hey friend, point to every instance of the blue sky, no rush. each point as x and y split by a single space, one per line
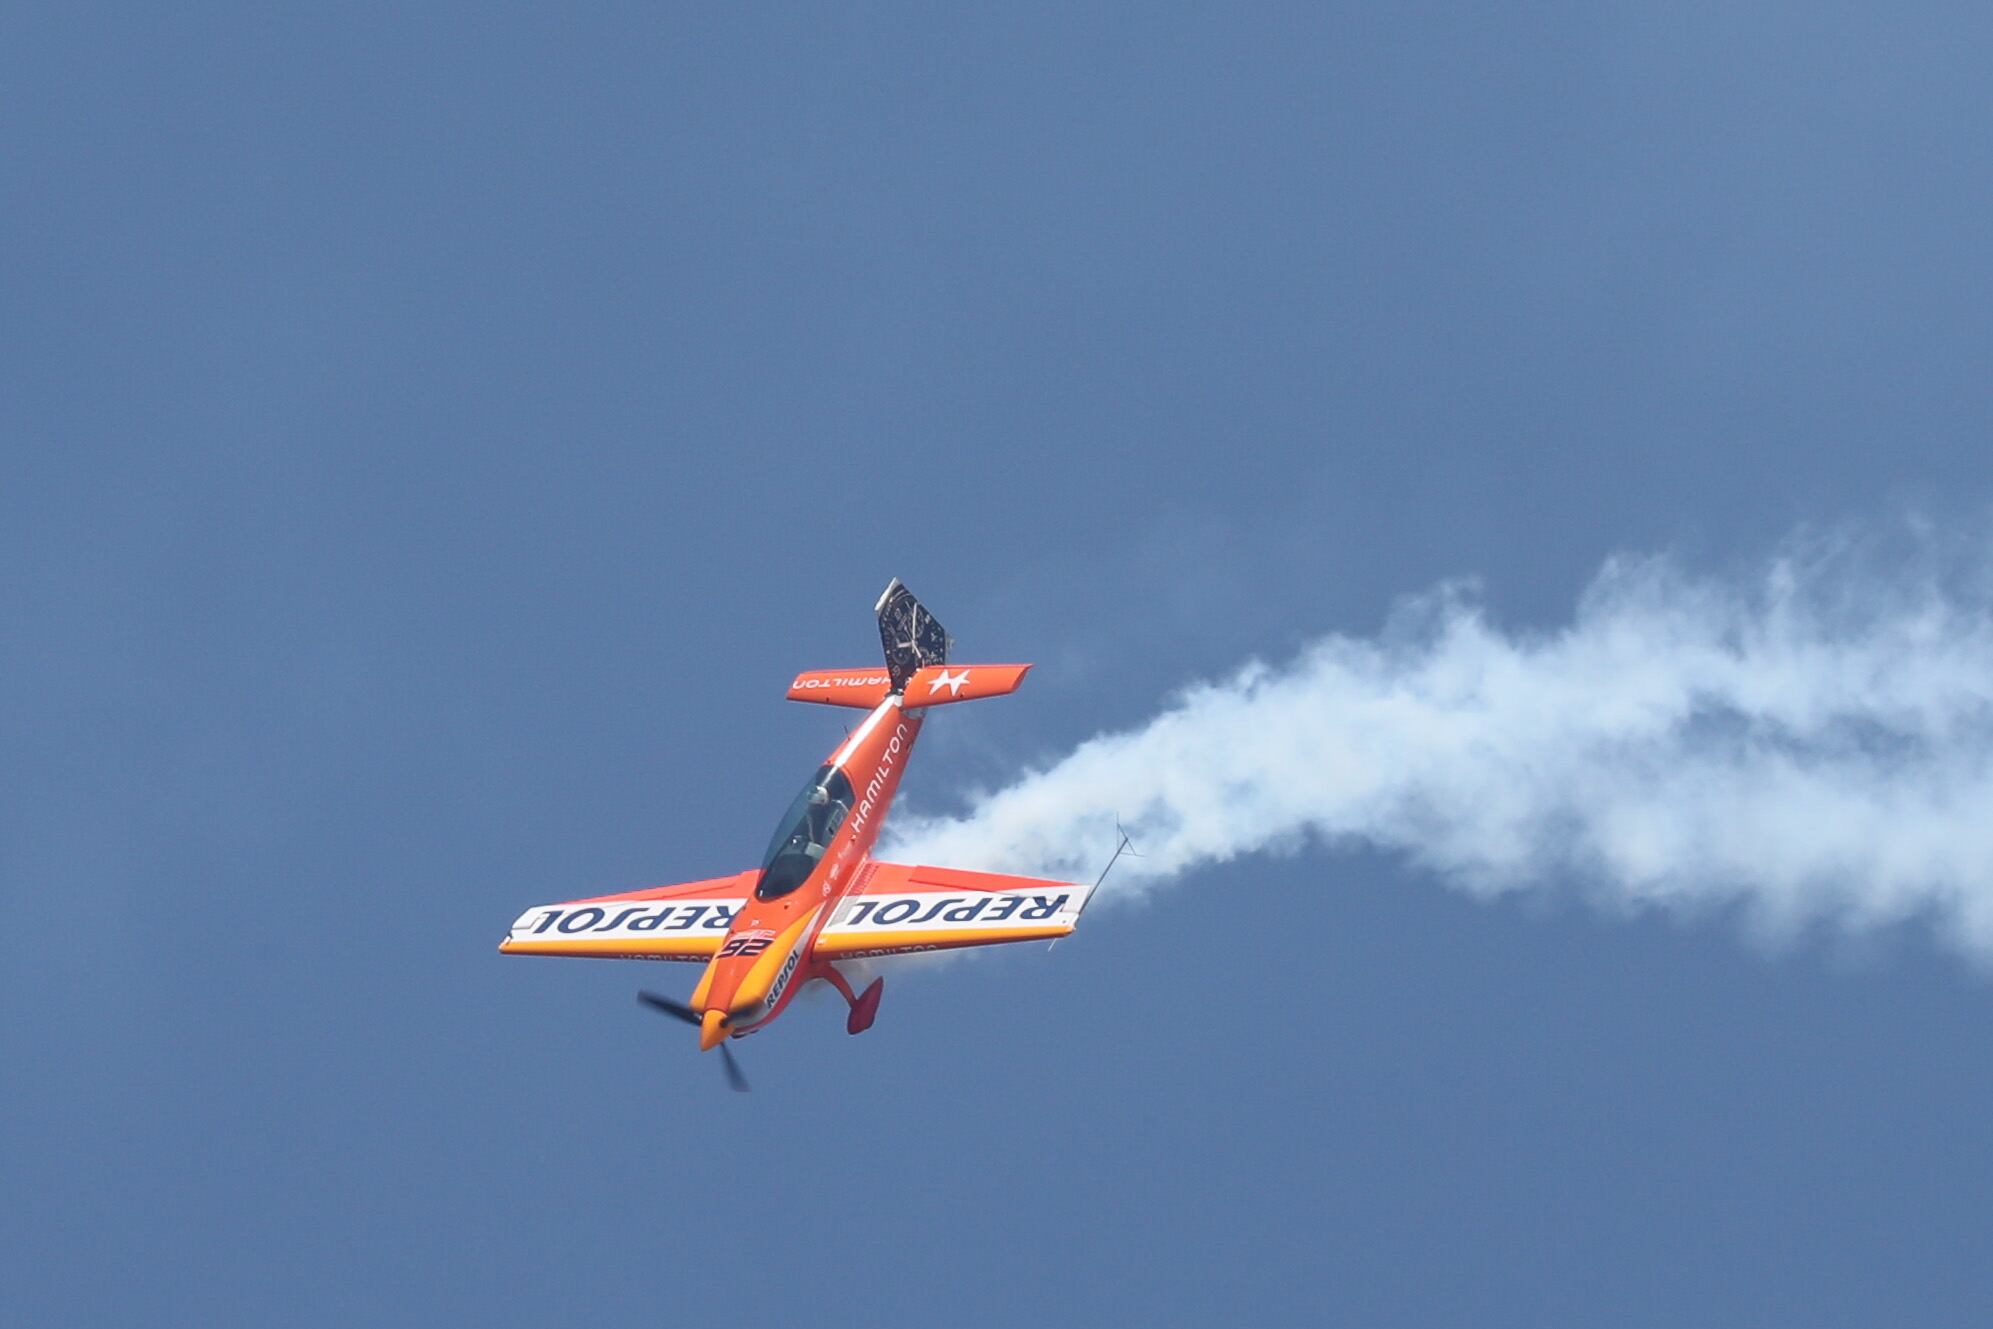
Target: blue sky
432 442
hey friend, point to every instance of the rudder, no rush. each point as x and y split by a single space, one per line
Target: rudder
912 637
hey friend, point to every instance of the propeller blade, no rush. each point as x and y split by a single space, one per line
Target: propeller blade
677 1009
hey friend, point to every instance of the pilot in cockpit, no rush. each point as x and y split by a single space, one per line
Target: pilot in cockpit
818 825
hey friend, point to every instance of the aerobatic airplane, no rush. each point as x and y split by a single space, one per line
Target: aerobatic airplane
819 898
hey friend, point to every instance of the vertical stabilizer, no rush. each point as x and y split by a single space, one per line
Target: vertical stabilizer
911 636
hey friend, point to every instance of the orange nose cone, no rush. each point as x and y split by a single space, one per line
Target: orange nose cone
713 1029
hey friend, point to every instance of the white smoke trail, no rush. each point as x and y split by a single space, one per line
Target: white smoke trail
1814 744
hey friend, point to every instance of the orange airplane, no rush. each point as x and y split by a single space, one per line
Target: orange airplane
819 897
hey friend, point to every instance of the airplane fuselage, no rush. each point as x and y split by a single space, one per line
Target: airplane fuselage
766 956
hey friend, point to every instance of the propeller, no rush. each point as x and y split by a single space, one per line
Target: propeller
679 1010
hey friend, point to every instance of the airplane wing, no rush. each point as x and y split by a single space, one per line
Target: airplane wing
685 922
897 909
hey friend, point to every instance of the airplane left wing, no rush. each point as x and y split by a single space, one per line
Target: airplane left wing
896 909
685 922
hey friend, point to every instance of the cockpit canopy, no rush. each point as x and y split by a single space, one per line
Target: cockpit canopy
806 831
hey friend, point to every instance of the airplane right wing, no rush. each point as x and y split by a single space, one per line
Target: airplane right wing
896 909
685 922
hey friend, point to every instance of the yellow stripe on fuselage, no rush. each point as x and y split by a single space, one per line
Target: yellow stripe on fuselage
755 983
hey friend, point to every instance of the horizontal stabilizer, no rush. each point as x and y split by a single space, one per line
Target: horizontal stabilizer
932 685
937 685
863 688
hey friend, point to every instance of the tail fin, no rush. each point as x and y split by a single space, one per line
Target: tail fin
913 638
916 665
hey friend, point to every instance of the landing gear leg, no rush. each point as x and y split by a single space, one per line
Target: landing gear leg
864 1005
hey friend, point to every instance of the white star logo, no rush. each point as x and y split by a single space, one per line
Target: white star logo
953 684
